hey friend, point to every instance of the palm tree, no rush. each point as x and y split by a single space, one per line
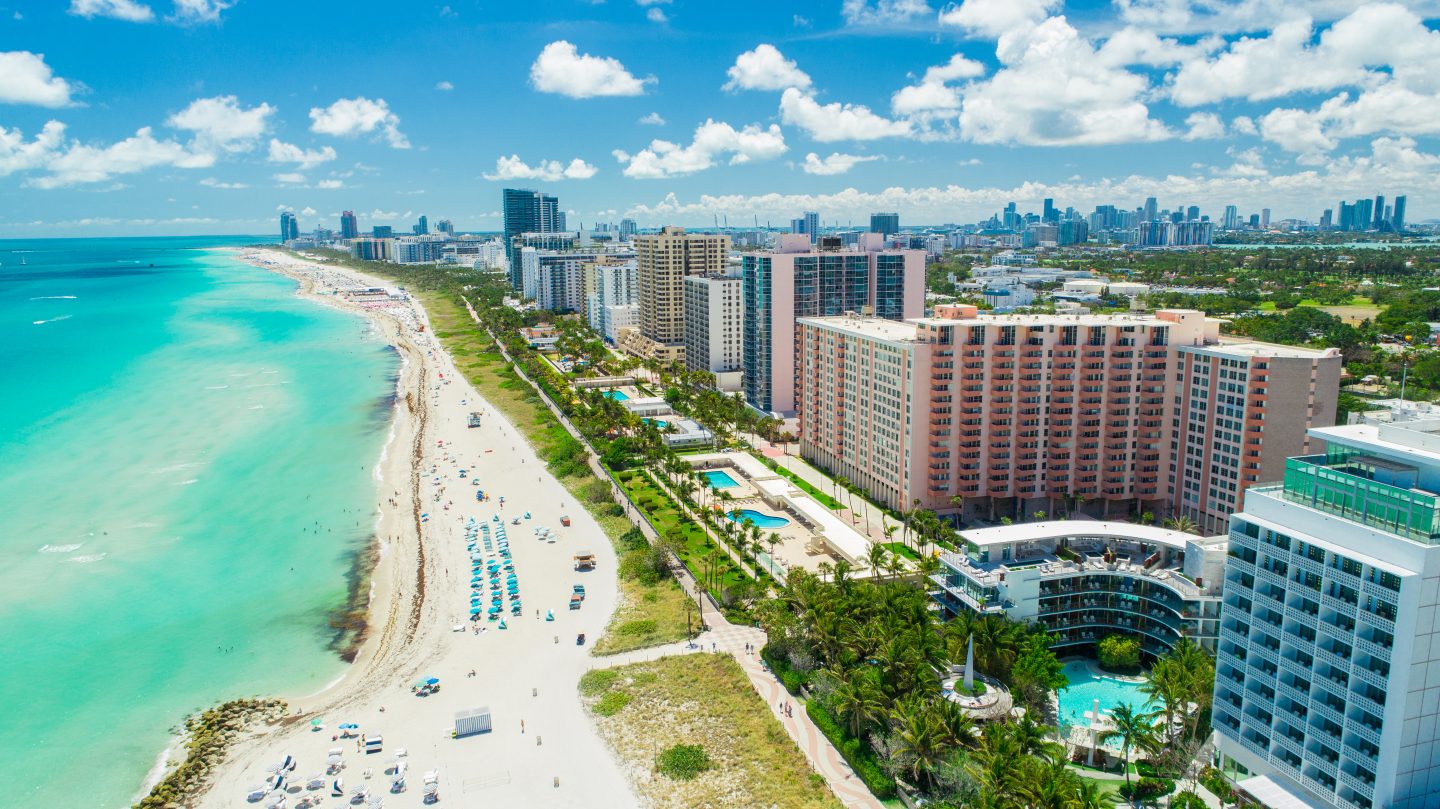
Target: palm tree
1183 524
1135 730
857 699
921 737
876 558
1051 787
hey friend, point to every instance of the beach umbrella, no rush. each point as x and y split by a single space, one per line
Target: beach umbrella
432 680
475 611
315 723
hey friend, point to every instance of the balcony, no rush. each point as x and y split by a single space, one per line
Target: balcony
1339 485
1373 649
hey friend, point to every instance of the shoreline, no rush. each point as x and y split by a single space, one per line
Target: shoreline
419 584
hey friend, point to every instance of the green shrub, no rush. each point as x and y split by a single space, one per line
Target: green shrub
642 627
683 761
1215 781
612 703
790 678
1119 653
1187 800
1147 789
597 680
856 752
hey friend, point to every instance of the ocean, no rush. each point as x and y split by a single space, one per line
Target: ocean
187 456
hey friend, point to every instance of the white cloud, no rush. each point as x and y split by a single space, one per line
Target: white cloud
656 15
308 211
194 12
992 18
833 122
1244 124
81 163
1054 90
651 119
883 12
18 154
1204 126
836 163
933 93
118 9
1285 62
713 140
513 168
1388 108
349 117
26 79
290 178
444 85
281 152
330 184
211 182
1392 163
221 123
765 68
1242 16
561 69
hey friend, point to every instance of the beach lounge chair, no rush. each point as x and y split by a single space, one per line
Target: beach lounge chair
337 788
316 781
276 802
256 794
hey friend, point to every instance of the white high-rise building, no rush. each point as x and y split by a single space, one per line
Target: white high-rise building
613 284
714 326
1327 679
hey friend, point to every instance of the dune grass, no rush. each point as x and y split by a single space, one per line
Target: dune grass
707 700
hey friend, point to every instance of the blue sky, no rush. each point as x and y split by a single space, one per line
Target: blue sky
206 116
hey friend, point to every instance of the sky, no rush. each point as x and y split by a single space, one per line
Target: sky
153 117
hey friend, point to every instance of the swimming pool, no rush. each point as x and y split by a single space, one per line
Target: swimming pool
761 520
719 479
1086 687
617 395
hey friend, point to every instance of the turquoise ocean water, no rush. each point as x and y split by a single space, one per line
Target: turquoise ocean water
186 477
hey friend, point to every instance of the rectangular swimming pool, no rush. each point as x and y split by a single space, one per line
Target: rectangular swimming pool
719 479
617 395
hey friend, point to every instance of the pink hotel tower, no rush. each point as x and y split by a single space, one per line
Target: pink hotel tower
1006 415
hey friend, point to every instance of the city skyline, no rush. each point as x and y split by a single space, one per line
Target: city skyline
849 108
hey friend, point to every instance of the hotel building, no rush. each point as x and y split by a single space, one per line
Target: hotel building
664 260
555 278
797 280
1240 411
1081 580
714 331
1006 415
1327 681
610 283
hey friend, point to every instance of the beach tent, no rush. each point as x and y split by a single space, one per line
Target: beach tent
472 721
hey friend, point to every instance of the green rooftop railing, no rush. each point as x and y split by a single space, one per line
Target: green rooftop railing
1317 481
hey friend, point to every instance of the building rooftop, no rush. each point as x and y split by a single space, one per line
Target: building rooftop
1058 529
1252 349
877 327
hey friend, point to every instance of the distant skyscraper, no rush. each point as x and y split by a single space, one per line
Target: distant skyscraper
349 226
382 231
1264 217
1012 219
1232 218
1364 208
289 227
1254 221
1397 220
1192 213
1379 222
628 229
797 226
1151 209
527 211
445 226
886 223
812 226
422 228
1050 215
1327 219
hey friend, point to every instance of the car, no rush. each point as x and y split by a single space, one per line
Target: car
580 639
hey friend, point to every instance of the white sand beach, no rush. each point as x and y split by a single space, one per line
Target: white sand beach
419 613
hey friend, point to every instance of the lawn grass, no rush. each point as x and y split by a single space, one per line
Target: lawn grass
694 544
704 699
804 485
479 359
901 549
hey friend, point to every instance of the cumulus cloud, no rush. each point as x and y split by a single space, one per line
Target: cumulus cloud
1388 108
1391 162
656 15
128 10
83 163
992 18
933 93
562 69
883 12
19 154
836 163
26 79
290 178
1241 16
196 12
513 168
444 85
836 121
326 185
350 117
211 182
281 152
651 119
712 142
1204 126
221 123
765 68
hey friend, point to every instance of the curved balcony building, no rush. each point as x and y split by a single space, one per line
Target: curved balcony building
1082 580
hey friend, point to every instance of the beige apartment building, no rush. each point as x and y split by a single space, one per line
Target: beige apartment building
664 259
1006 415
